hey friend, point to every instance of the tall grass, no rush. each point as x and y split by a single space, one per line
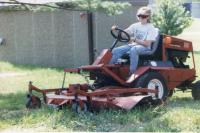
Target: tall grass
181 112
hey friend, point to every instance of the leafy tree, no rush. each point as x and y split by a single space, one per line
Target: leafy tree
171 17
107 6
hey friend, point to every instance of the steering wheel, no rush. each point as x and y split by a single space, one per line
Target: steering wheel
119 35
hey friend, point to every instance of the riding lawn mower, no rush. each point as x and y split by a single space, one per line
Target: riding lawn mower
156 77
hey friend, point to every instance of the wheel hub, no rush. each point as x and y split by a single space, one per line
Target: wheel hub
156 84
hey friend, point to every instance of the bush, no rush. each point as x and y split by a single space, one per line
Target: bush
171 17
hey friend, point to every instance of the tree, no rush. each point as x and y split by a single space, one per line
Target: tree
107 6
171 17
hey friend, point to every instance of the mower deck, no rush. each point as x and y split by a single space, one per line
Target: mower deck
106 97
126 102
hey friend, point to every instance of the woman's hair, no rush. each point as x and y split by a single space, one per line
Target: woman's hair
145 11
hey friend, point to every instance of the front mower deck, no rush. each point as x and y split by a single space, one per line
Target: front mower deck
106 97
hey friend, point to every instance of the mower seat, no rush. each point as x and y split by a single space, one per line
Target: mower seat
153 54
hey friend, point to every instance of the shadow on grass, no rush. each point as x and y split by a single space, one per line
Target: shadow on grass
13 112
11 109
140 119
12 101
184 102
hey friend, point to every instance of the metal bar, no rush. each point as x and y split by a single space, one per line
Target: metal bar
164 58
114 44
193 59
90 36
115 76
32 87
75 70
91 67
114 91
63 80
123 90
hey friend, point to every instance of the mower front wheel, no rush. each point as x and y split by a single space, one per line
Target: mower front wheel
33 102
196 91
153 80
77 108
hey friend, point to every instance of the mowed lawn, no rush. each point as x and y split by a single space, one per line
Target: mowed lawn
181 112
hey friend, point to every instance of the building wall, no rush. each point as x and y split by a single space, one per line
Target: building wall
56 39
44 38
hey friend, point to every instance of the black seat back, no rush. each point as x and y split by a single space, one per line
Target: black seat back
155 44
156 53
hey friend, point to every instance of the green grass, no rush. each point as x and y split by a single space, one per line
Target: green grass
42 77
181 112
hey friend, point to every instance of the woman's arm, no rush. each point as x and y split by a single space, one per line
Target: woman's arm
153 33
143 42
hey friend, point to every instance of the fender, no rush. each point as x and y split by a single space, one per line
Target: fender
139 72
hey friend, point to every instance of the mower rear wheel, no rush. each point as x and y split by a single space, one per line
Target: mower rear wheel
153 80
196 91
171 92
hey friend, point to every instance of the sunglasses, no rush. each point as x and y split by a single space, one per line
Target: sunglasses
142 16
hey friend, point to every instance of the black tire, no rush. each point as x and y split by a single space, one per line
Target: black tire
33 102
196 91
103 81
171 92
77 109
150 79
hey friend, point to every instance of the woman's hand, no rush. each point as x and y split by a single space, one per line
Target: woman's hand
114 27
132 40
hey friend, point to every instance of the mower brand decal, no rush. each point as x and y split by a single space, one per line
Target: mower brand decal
173 45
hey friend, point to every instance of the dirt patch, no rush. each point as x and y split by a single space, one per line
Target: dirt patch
11 74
